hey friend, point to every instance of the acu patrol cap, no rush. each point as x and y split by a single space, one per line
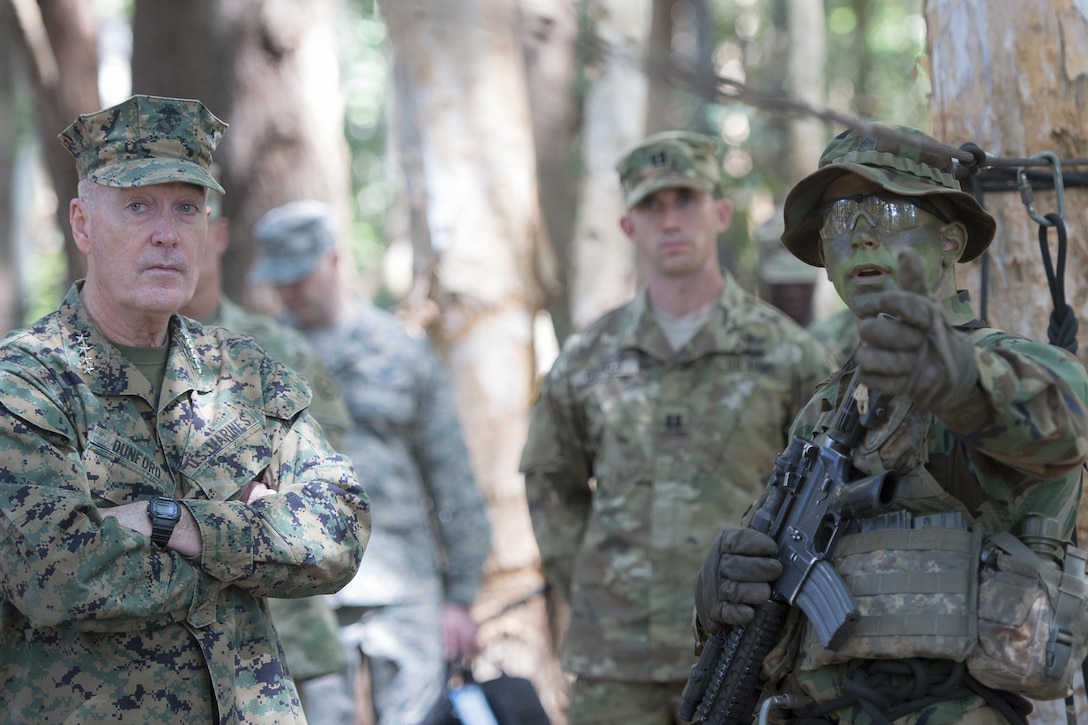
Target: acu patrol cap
290 239
146 140
669 159
889 158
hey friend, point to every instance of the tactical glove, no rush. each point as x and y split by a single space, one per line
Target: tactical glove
908 347
735 577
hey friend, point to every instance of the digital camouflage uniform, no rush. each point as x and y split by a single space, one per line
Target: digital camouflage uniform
290 347
306 626
96 624
433 534
678 443
406 429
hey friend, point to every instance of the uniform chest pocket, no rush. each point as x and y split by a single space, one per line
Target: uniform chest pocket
742 417
123 468
223 458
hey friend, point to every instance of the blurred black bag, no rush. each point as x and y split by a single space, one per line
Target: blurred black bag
505 700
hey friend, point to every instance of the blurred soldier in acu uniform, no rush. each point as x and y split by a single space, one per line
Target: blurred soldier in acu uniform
986 433
657 423
407 611
158 479
307 625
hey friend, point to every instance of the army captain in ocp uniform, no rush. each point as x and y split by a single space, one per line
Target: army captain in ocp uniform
656 423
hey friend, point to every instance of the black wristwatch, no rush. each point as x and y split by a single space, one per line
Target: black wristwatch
164 514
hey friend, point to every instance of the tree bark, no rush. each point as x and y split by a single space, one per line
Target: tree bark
806 81
464 88
61 39
784 281
1026 59
270 69
550 42
604 272
1011 76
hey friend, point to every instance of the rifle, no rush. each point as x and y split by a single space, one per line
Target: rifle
812 495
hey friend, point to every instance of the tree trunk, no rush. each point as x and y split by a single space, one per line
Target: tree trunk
806 81
466 96
659 93
550 43
61 41
1009 75
786 282
603 271
807 69
1026 59
270 69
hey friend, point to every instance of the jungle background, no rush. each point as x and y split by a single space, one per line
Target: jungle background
469 148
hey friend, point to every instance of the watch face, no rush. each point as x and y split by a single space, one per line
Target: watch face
164 508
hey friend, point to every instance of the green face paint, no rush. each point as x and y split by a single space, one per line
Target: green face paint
862 262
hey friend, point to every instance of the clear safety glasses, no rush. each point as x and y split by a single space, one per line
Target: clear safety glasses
891 213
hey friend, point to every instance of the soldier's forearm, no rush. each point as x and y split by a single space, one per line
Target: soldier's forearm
185 539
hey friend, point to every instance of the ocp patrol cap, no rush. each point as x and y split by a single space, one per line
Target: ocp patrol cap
901 159
669 159
146 140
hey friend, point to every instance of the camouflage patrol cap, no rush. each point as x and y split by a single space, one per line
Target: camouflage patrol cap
888 157
146 140
669 159
290 239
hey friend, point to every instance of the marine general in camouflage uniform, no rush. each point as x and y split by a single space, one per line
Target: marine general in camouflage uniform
114 400
407 610
982 427
655 425
306 625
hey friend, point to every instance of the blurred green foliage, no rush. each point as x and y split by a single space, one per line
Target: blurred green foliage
874 71
365 68
46 282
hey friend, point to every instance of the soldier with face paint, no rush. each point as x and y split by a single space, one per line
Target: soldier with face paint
985 429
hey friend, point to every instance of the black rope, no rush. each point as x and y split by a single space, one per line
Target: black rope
1062 330
1013 708
978 157
886 690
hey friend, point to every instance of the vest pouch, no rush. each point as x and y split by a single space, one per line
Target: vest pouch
1033 618
914 579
